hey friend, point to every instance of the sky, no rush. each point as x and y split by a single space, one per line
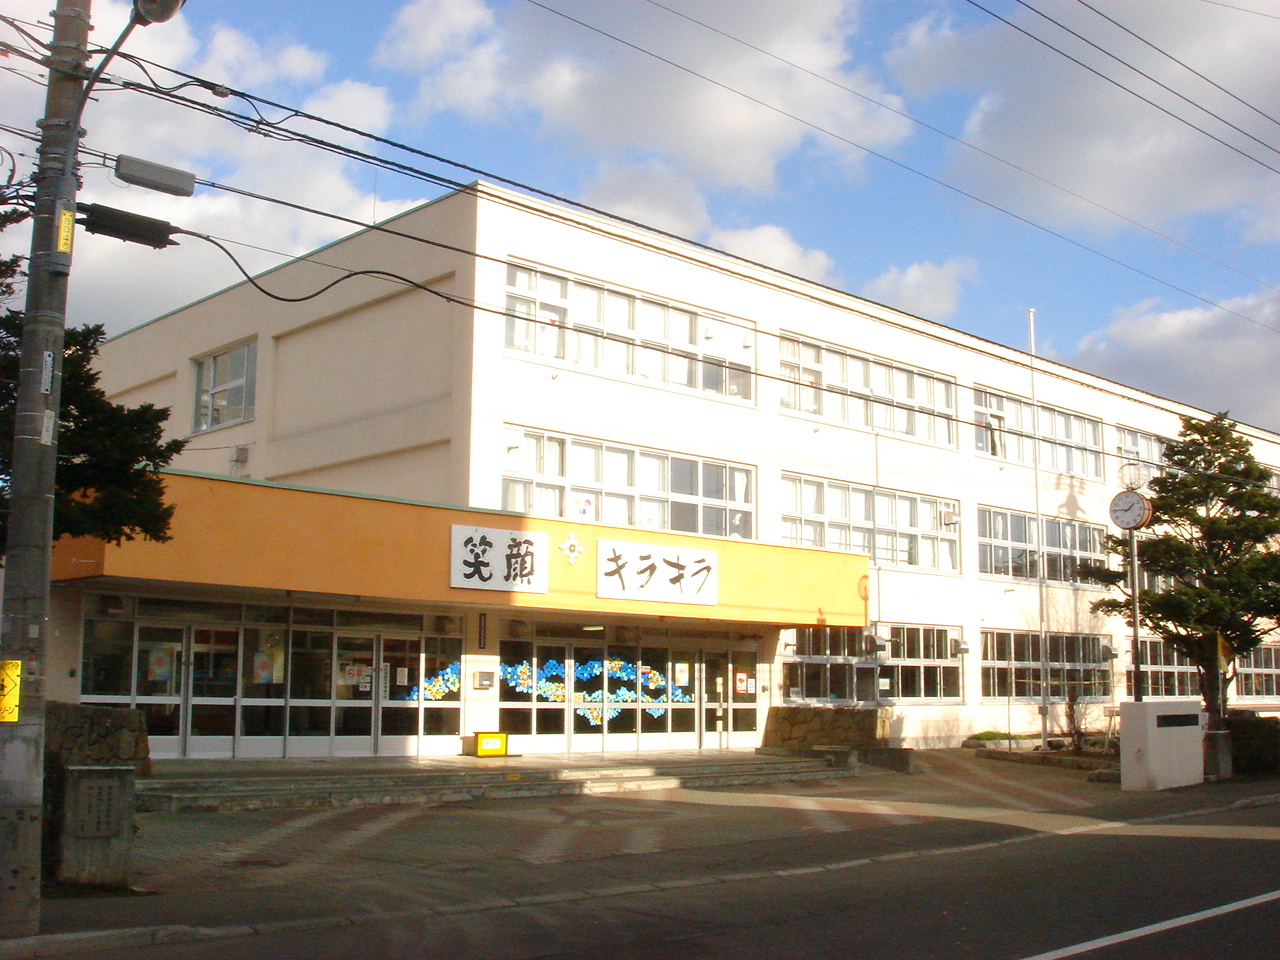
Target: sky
1120 174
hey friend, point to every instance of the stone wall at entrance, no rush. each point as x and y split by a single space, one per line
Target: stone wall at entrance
801 728
80 735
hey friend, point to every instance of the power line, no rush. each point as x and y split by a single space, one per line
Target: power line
601 335
970 145
1185 66
263 126
1231 6
1116 83
273 128
1143 73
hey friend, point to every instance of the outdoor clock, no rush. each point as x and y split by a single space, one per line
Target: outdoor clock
1130 510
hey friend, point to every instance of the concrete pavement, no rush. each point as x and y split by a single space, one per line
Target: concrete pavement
232 874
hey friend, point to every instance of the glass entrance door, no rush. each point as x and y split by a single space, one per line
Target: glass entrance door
356 677
160 686
729 691
399 706
210 709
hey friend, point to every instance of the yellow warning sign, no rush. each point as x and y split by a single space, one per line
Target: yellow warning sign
66 228
10 687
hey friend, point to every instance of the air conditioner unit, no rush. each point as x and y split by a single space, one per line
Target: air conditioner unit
240 455
959 648
950 518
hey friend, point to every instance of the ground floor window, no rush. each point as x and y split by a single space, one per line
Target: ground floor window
1020 665
559 679
1258 672
210 672
900 662
1165 672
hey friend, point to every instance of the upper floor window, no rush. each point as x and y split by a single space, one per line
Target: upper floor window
225 387
1008 546
621 334
561 476
1144 448
1010 429
866 392
894 529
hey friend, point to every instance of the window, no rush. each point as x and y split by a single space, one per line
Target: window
1010 429
620 334
1145 448
865 392
1167 673
1258 672
894 529
225 387
1008 547
836 664
556 476
1016 664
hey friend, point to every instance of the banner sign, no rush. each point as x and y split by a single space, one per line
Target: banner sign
637 571
486 558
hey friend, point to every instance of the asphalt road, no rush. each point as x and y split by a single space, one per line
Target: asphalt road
967 862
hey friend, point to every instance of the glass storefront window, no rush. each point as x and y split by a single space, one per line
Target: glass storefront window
310 666
400 670
263 667
107 663
442 669
214 663
354 675
159 665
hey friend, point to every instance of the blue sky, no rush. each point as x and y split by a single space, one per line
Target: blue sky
1128 232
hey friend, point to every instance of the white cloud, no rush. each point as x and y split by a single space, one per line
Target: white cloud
775 247
123 284
652 194
427 31
1050 116
1201 356
613 99
929 290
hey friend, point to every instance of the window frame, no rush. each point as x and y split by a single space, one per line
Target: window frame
204 405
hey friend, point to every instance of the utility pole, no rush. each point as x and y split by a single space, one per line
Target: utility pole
25 627
24 633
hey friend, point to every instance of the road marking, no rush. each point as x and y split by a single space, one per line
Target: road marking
1146 931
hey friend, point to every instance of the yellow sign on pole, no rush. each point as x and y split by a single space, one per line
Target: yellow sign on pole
10 687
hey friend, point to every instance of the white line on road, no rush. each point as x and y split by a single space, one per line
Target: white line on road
1146 931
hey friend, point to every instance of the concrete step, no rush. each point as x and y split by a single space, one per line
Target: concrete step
260 792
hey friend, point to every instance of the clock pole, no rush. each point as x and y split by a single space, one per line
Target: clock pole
1139 684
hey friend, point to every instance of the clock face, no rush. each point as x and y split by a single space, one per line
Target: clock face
1130 509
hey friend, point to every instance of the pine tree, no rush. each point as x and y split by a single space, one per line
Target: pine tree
1213 556
109 456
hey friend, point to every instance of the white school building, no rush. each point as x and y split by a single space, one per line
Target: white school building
891 512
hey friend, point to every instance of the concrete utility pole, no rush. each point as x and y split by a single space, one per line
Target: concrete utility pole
24 632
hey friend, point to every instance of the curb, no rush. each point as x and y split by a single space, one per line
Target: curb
56 944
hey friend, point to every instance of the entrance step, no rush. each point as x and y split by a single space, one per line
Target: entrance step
294 789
